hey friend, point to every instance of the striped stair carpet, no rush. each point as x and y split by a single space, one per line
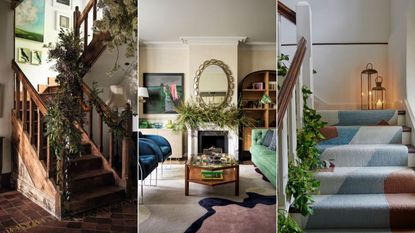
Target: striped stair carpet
371 188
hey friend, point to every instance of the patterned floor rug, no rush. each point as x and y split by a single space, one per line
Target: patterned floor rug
224 215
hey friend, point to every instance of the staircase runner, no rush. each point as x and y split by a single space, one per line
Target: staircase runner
371 188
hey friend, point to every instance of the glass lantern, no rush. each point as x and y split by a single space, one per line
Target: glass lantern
378 96
366 86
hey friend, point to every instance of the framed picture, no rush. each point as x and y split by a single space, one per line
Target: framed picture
36 56
23 55
30 20
63 4
165 90
63 21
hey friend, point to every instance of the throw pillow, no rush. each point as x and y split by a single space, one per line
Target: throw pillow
273 144
267 138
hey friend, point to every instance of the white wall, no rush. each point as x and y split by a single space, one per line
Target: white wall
6 79
38 74
337 81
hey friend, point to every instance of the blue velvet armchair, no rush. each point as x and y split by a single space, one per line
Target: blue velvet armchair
164 149
147 161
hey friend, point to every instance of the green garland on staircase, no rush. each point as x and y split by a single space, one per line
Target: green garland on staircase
301 182
65 110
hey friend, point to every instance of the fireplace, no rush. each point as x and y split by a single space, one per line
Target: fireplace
209 139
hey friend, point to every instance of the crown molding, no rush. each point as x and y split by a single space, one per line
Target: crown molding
213 40
162 44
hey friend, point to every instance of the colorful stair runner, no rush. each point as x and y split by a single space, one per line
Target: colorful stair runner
371 188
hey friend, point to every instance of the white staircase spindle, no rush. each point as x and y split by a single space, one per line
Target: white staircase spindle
283 165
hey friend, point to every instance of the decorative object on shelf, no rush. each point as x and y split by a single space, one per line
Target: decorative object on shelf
36 57
142 93
30 20
157 125
117 99
272 85
63 21
165 91
170 124
258 86
144 124
378 96
366 86
213 84
265 99
23 55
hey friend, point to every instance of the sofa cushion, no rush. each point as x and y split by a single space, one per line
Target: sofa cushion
268 138
273 144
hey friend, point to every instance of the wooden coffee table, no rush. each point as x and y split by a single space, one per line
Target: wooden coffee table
196 163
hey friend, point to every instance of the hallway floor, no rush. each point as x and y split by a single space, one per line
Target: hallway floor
19 214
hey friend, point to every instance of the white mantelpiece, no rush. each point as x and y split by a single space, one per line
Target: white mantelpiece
233 139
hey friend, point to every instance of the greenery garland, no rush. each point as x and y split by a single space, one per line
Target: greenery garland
192 115
120 20
65 111
301 182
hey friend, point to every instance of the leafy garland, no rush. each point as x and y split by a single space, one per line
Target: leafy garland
301 182
192 116
65 111
120 20
286 224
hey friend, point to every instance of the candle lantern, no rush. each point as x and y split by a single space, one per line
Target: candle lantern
378 95
366 86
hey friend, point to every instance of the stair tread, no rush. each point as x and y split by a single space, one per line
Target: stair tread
98 192
360 201
90 174
85 157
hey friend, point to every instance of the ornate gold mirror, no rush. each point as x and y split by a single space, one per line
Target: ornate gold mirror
213 84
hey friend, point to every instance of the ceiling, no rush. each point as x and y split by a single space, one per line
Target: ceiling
168 20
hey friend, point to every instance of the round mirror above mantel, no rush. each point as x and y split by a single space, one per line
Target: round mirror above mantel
213 84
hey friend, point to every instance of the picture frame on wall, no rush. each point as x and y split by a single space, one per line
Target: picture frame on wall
165 90
23 55
63 21
36 57
30 29
63 4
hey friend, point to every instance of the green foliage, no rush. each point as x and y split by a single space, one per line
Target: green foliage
65 111
192 115
301 185
301 182
309 135
286 224
282 67
120 20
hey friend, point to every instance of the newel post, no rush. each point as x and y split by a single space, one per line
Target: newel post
126 143
304 29
76 15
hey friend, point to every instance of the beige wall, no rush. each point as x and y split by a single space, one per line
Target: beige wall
186 59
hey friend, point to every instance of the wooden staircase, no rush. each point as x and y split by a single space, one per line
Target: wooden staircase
97 177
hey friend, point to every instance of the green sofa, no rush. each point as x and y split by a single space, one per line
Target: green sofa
263 158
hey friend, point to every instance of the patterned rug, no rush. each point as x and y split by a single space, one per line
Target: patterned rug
228 216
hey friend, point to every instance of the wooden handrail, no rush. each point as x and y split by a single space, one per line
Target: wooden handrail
104 107
84 15
29 87
287 88
287 12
